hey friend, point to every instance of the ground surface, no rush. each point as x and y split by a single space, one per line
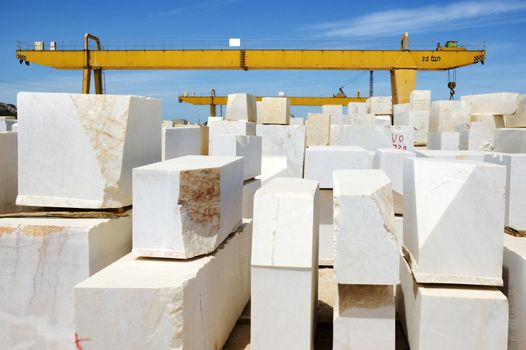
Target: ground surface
240 336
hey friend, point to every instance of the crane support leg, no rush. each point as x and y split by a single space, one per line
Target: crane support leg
97 76
403 81
86 79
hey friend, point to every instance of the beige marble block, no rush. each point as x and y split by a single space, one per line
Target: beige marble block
241 106
275 110
318 129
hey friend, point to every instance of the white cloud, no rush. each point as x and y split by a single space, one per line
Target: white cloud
423 19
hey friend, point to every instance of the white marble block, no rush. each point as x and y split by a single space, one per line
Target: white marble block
333 110
285 265
78 150
212 119
321 161
166 304
364 317
187 206
453 220
496 103
275 110
420 100
365 244
494 121
285 140
340 119
384 120
241 107
446 141
272 167
476 136
181 141
8 171
515 187
318 129
403 138
297 121
41 260
391 161
370 137
379 105
448 317
229 127
509 140
445 115
517 119
249 190
326 235
478 156
417 120
398 110
361 119
514 275
357 107
248 147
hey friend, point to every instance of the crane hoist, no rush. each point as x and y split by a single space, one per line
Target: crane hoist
402 64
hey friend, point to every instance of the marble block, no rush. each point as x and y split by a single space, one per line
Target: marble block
453 220
167 123
204 139
403 138
326 235
451 317
214 119
340 119
379 105
286 224
361 119
364 317
365 244
285 265
514 275
515 187
370 137
322 161
445 115
259 111
417 120
517 119
181 141
478 156
229 127
187 206
509 140
448 141
399 230
384 120
285 140
495 103
272 167
78 150
41 260
275 110
318 128
249 190
420 100
357 107
391 161
297 121
333 110
166 304
8 171
476 136
241 107
494 121
398 110
248 147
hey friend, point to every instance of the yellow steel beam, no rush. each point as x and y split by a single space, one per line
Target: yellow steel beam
294 100
440 59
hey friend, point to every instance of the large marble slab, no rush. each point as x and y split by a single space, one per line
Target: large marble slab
41 260
241 106
364 317
187 206
478 156
229 127
445 140
357 107
403 137
510 140
78 150
365 243
248 147
318 129
180 141
453 220
417 120
476 136
333 110
285 140
166 304
321 161
451 317
517 119
515 289
370 137
8 171
495 103
272 167
379 105
420 100
275 110
446 115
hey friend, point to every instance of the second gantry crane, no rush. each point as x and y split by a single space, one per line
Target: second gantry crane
402 64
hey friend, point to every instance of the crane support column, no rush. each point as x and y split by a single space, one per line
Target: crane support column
212 110
403 81
86 80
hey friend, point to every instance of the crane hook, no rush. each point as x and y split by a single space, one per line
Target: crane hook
451 85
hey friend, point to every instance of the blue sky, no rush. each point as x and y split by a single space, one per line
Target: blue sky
500 25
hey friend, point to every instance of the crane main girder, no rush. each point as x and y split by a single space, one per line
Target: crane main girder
440 59
294 100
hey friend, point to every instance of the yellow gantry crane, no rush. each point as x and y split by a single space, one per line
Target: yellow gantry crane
402 64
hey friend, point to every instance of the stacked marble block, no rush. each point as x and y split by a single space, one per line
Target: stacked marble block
74 152
366 259
415 115
188 278
285 265
184 140
8 171
453 248
320 163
